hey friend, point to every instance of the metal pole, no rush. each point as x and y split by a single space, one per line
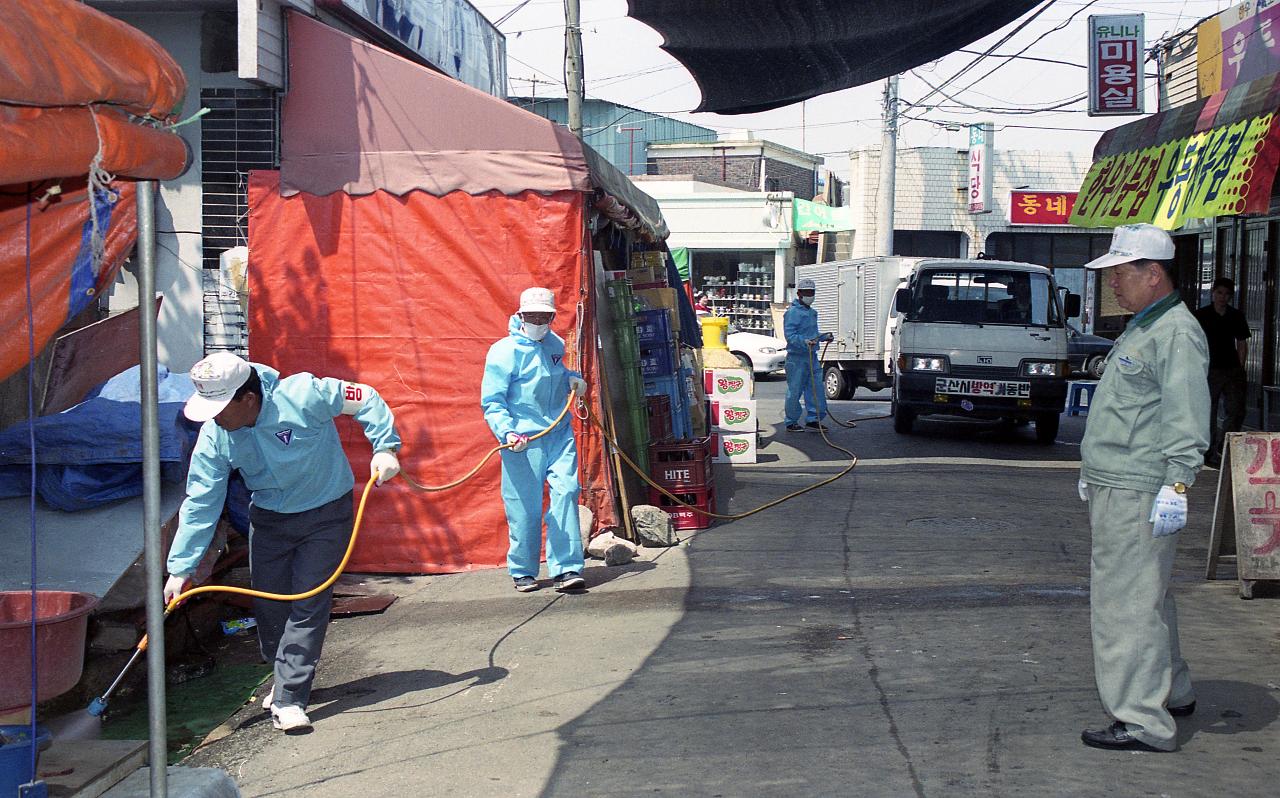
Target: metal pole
573 81
152 541
888 166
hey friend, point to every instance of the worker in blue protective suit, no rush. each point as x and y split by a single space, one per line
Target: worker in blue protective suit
800 328
525 386
280 434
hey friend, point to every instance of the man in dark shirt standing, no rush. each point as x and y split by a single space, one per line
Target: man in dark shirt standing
1227 331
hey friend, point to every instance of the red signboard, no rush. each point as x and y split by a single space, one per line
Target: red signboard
1116 47
1040 207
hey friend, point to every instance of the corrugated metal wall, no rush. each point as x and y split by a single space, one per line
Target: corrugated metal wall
601 121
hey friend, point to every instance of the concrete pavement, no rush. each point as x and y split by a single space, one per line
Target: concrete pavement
917 628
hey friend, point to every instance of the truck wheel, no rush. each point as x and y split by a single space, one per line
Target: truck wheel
1096 366
836 384
1047 428
903 418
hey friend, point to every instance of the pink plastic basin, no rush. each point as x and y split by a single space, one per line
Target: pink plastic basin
61 620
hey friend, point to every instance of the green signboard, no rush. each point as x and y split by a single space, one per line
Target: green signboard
806 217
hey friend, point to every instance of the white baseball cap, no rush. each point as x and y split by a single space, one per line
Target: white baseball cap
217 378
537 300
806 285
1132 242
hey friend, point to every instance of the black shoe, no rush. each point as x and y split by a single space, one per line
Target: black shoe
816 426
1183 711
1116 738
794 428
570 580
526 584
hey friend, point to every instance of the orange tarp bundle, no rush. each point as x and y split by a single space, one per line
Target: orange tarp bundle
64 279
407 293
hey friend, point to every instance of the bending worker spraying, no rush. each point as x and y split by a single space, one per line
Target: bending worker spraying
525 384
800 327
280 434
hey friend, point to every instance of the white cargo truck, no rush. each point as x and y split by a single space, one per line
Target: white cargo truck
854 300
981 339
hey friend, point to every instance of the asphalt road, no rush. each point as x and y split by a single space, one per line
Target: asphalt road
918 628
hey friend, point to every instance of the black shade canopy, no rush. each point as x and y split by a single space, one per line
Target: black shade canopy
756 55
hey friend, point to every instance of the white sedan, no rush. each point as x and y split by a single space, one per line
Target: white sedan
763 354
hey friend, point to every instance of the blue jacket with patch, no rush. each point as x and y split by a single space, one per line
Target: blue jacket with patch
799 324
291 458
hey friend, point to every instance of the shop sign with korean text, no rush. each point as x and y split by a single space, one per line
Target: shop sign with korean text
981 153
807 217
1238 45
1116 49
1041 207
1216 156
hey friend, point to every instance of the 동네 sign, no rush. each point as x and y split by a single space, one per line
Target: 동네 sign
1041 207
1211 157
1116 50
1239 45
1248 487
981 153
807 217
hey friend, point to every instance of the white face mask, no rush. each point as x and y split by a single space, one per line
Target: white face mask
535 331
805 300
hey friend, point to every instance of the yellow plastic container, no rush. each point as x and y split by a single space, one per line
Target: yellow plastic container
714 330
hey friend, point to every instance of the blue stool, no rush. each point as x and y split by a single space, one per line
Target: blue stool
1079 394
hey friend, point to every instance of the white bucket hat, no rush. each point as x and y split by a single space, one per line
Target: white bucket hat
217 378
537 300
1132 242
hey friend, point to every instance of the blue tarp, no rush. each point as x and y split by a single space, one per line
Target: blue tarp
91 454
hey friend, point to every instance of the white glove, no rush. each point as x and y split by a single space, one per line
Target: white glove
173 587
1083 487
578 386
517 442
386 465
1168 513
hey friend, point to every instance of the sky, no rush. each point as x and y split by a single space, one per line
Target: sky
623 63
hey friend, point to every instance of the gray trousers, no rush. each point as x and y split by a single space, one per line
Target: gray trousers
1136 659
1230 387
293 553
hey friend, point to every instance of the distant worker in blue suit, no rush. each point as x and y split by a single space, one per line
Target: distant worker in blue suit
800 328
279 433
525 386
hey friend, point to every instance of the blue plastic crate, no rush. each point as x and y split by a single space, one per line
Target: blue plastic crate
653 327
673 387
657 361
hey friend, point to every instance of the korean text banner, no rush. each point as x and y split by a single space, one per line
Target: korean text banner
810 216
1222 171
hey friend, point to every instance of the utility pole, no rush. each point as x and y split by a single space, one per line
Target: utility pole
888 167
573 82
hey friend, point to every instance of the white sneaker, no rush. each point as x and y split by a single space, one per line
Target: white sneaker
289 718
266 699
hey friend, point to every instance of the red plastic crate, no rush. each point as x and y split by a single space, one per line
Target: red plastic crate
679 475
659 408
683 517
683 451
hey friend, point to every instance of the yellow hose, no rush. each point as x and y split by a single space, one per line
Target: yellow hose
355 533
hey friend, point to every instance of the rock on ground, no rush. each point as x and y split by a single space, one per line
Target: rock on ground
653 526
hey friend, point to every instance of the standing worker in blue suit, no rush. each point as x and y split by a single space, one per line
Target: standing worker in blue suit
279 433
524 388
800 328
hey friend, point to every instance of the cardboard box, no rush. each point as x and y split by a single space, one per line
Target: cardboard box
661 298
730 384
653 259
734 415
733 448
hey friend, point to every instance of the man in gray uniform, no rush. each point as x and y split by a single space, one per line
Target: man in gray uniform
1144 442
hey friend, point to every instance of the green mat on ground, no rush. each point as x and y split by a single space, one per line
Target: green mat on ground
195 708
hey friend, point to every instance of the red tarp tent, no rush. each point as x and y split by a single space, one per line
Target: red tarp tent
391 248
